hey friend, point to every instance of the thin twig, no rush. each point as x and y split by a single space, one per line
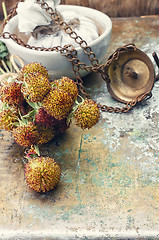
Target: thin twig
9 65
6 76
5 66
4 10
12 59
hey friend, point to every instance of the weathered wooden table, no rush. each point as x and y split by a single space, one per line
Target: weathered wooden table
110 173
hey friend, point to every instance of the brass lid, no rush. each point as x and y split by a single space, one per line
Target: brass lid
130 75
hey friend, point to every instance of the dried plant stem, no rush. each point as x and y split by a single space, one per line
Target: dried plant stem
4 10
5 76
10 65
12 60
5 66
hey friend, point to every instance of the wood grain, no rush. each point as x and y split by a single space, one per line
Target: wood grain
114 8
120 8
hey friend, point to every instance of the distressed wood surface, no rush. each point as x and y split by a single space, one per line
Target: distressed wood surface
114 8
109 185
120 8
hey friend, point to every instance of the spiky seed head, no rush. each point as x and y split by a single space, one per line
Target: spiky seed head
51 124
8 118
11 94
26 135
36 86
42 174
42 118
87 114
58 103
68 85
45 135
31 68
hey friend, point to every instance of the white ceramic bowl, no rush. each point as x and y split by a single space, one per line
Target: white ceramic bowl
56 64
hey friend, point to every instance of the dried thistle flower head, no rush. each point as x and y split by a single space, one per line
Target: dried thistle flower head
11 94
46 121
42 174
68 85
31 68
58 103
26 135
45 135
87 114
36 86
42 118
8 118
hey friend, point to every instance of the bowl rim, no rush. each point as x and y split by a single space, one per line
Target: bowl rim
62 7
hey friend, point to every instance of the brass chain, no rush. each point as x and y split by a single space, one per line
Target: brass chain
128 106
82 43
71 54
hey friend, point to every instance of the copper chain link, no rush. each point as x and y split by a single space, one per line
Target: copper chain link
71 54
